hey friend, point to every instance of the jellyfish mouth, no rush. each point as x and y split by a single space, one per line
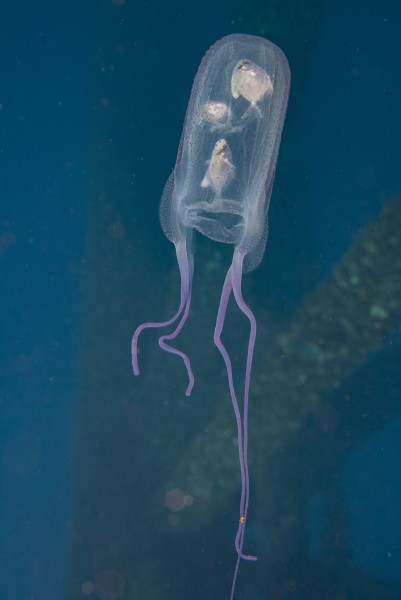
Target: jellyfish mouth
221 226
226 220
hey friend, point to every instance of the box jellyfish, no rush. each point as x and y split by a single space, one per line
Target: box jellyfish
221 187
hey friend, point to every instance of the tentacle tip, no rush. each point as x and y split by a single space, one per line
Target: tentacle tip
135 368
249 557
189 388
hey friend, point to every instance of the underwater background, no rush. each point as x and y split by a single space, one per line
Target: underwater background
119 487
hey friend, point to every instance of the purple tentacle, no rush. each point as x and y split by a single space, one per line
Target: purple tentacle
171 336
185 264
232 283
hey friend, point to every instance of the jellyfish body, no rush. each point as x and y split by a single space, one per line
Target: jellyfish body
221 187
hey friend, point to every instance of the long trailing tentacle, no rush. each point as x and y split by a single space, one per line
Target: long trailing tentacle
232 283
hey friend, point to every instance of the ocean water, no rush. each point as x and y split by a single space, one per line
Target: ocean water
114 486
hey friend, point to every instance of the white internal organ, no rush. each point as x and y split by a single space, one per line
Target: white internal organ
213 112
220 169
250 81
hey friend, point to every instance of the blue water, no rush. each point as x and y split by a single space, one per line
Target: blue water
343 145
44 160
